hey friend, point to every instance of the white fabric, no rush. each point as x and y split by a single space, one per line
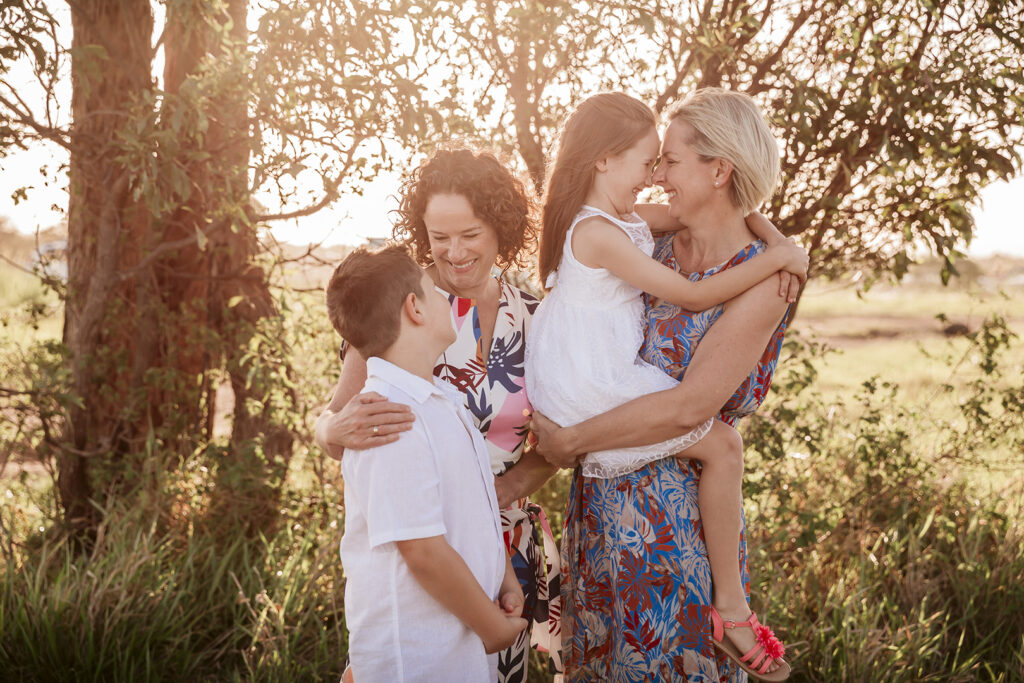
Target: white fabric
436 479
581 356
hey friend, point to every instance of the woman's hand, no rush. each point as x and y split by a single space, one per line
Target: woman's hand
551 442
367 420
522 478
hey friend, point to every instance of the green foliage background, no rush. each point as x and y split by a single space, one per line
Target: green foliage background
885 527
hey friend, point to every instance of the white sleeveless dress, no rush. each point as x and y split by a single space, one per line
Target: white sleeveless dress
581 356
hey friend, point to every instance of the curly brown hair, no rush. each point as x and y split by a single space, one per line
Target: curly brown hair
497 196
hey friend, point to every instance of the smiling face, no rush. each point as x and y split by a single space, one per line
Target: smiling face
463 246
687 179
629 172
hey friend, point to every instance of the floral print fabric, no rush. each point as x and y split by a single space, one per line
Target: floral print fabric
637 588
673 334
495 390
637 591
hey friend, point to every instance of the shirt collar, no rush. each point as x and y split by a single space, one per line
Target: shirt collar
418 388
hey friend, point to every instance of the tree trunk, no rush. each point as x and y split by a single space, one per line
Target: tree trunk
262 439
219 285
159 299
106 229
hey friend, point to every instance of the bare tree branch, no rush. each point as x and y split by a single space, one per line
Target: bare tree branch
52 134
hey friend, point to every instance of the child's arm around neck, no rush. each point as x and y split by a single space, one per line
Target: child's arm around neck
597 243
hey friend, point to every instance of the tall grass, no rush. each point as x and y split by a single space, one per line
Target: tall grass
884 533
152 602
886 541
926 585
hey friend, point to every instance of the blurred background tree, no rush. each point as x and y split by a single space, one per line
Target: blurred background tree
167 288
892 115
193 125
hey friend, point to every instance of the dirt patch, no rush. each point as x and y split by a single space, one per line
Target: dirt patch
855 330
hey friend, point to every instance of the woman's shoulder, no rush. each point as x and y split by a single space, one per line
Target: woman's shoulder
748 251
663 248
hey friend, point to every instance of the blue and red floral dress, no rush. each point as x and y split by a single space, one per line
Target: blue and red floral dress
636 592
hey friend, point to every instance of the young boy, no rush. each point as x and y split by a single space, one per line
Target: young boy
430 592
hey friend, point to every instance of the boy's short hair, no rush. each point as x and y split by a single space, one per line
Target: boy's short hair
365 296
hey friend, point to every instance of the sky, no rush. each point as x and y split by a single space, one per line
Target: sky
354 218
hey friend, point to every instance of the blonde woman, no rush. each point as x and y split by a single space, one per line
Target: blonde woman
639 601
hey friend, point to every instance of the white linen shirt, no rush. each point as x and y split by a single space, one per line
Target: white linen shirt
434 480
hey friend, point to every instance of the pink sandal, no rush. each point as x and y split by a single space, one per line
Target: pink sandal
756 661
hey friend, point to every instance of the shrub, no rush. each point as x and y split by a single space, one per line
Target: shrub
879 544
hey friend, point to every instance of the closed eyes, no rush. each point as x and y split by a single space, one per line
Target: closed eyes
445 238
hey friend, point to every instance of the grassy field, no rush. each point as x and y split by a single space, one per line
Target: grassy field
883 504
887 331
896 334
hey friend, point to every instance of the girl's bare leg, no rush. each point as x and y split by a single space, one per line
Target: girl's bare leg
720 498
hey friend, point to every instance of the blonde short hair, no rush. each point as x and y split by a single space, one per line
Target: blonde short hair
730 126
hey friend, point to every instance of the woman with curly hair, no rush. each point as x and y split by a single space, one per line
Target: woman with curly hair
463 213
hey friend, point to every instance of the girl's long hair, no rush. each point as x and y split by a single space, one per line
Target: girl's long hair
603 125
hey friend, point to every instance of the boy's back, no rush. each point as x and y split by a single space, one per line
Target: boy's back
435 480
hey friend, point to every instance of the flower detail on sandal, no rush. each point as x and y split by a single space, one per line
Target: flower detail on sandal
757 660
766 638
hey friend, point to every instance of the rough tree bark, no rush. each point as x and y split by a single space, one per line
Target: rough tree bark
163 287
110 69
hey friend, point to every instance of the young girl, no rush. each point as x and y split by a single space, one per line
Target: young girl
581 358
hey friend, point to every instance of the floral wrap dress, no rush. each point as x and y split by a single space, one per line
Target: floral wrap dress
495 393
636 592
